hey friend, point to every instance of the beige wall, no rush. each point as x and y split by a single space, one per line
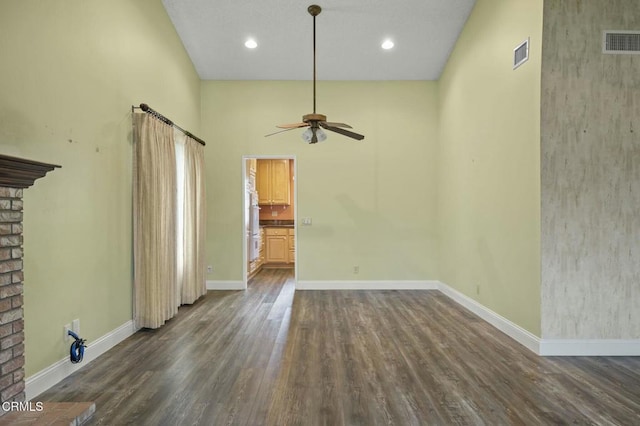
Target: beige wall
489 167
372 202
71 69
590 173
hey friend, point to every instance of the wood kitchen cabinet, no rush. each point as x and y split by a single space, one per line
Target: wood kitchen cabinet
261 255
292 245
272 180
279 246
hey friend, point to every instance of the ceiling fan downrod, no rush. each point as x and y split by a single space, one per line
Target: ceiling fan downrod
314 10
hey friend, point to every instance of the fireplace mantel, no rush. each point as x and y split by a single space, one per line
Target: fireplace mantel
21 173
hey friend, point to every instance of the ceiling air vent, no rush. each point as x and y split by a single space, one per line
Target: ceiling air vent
621 42
521 54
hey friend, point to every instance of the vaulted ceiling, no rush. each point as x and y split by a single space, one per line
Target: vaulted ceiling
349 38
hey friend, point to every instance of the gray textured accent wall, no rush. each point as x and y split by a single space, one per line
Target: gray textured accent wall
590 173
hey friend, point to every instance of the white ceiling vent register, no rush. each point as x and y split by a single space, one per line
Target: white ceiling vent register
521 54
621 42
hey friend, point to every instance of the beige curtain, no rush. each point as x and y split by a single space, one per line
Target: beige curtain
193 284
154 201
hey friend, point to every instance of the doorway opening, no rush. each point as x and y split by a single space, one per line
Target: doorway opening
269 209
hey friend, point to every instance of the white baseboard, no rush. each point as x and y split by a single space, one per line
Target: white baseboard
367 285
589 347
517 333
44 379
226 285
545 347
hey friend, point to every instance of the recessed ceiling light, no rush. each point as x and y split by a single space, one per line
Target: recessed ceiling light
387 44
250 44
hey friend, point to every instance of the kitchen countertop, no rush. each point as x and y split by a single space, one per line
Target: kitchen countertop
276 223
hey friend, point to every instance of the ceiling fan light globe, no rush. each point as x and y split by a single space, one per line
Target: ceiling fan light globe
307 135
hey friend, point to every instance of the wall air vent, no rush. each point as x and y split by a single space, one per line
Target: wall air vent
521 54
621 42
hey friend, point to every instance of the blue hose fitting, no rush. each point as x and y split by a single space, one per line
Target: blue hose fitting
76 352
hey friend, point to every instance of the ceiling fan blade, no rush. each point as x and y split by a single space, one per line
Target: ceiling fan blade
292 125
329 123
342 131
280 131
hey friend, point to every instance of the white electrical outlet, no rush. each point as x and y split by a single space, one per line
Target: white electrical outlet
75 326
67 327
356 269
209 269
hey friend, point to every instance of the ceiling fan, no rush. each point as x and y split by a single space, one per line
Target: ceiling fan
316 122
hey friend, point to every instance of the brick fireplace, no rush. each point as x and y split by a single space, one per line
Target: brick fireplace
16 174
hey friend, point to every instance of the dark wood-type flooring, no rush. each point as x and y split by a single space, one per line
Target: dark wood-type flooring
273 356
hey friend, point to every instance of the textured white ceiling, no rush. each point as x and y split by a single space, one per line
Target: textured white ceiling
349 34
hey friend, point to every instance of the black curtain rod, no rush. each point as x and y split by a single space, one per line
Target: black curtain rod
146 108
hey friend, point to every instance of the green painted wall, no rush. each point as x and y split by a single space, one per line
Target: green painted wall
489 162
71 70
373 202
